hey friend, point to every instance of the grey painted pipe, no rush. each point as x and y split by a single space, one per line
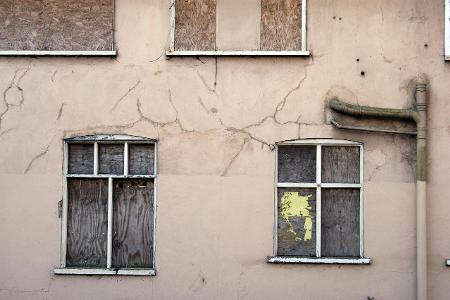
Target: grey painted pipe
418 114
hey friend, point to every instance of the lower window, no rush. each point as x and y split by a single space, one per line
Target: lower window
319 202
109 208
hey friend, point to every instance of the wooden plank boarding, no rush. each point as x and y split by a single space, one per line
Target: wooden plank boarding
340 164
281 24
87 222
141 159
297 164
81 159
111 158
195 25
132 223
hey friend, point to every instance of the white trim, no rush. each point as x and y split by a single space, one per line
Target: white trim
64 207
447 30
296 185
155 206
275 209
322 260
303 27
341 185
172 26
110 223
80 271
238 53
320 142
318 184
318 201
118 138
447 262
95 159
361 201
56 53
125 159
104 176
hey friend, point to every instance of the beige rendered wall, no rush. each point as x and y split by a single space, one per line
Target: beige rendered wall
214 119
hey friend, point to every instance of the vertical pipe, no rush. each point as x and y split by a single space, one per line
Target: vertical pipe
421 212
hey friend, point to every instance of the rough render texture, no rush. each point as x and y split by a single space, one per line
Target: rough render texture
216 120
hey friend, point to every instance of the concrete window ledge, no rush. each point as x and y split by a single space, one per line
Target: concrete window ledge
237 53
447 262
120 272
319 260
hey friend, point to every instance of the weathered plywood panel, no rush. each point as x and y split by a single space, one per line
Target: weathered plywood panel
296 222
81 159
340 222
238 24
195 25
111 158
87 222
297 164
132 224
281 24
141 159
82 25
340 164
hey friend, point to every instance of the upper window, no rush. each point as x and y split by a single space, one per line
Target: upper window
56 27
108 211
319 202
233 27
447 30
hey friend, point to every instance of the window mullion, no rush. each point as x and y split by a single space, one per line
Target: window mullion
125 159
361 202
64 208
318 200
110 221
95 158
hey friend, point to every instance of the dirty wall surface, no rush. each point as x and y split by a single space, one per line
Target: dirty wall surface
215 120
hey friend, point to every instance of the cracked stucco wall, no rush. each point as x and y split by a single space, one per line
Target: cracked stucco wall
216 120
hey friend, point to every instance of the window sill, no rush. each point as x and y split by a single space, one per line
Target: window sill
447 262
238 53
57 53
319 260
119 272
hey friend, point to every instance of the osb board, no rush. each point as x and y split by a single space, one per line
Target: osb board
56 25
297 164
195 25
281 24
87 222
238 25
81 159
296 222
340 222
340 164
132 224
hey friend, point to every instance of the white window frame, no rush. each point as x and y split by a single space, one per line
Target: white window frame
302 52
111 52
447 30
318 185
96 140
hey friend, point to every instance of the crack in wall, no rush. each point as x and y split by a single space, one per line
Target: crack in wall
233 159
125 95
14 83
34 159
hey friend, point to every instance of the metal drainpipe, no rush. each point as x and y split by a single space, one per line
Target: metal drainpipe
419 115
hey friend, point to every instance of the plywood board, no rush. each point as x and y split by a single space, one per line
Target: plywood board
281 24
132 224
111 159
195 25
340 222
297 164
56 25
238 24
87 222
296 222
340 164
81 159
141 159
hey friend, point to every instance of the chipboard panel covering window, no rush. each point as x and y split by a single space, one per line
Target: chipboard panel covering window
319 207
108 215
57 27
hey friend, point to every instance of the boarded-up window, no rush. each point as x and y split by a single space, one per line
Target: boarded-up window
56 25
110 203
319 199
235 25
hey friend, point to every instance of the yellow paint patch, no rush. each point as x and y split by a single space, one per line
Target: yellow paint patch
295 205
